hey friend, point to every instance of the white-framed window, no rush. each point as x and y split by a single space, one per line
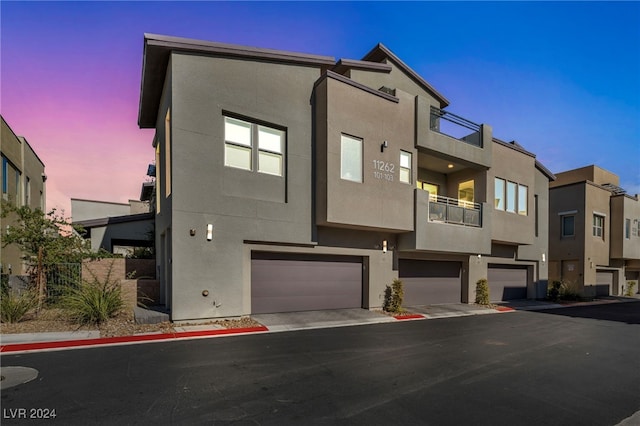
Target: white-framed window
511 197
598 226
247 143
405 166
499 186
568 225
523 192
351 158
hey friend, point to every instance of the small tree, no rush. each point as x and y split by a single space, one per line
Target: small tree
482 292
394 296
45 239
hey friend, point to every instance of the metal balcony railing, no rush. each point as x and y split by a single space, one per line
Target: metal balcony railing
451 210
455 126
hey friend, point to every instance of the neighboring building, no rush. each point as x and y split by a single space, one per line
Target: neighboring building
115 227
23 183
290 182
594 232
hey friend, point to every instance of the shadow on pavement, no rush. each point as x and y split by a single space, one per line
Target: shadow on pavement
628 312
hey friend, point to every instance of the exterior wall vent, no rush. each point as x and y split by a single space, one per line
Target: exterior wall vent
388 90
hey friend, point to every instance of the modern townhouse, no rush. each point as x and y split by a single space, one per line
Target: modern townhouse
291 182
594 232
23 184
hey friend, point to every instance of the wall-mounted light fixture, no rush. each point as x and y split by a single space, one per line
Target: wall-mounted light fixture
479 259
210 232
384 145
205 293
384 246
192 232
544 257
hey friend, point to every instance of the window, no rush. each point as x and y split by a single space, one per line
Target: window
351 159
431 188
237 144
270 150
598 226
167 153
522 199
249 143
627 228
536 212
405 167
158 175
5 176
27 191
511 197
466 193
499 194
568 226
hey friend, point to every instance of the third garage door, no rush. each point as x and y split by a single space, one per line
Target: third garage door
507 282
428 282
289 283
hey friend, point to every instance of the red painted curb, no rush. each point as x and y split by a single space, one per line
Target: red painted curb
504 309
18 347
409 316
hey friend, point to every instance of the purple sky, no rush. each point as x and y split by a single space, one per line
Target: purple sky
563 79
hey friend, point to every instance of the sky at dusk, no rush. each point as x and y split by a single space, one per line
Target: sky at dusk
562 79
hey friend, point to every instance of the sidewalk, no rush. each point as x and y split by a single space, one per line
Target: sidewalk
279 322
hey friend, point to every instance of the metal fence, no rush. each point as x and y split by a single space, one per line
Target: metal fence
59 278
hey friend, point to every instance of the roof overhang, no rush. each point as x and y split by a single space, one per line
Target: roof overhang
158 49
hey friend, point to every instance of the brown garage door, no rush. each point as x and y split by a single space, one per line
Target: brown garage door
507 282
604 283
428 282
289 283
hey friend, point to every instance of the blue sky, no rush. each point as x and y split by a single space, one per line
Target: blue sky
562 79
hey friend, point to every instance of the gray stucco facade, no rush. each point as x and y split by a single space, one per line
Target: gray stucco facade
242 224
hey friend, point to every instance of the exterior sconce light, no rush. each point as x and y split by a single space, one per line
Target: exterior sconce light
544 257
209 232
205 293
192 232
384 145
479 259
384 246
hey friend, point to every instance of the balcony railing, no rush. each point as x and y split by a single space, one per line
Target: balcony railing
451 210
455 126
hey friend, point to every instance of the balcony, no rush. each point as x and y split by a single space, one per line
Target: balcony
449 136
451 210
448 225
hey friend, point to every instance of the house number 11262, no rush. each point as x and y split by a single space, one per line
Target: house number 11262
384 166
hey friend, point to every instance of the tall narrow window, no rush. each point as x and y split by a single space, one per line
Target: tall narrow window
405 167
522 199
499 193
511 197
270 142
27 191
536 212
351 158
5 176
167 153
627 228
598 226
568 226
159 173
237 143
466 193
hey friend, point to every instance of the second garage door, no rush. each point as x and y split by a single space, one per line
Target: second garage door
507 282
428 282
289 283
604 283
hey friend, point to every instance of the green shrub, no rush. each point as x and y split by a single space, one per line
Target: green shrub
393 297
93 301
482 292
629 289
569 291
14 306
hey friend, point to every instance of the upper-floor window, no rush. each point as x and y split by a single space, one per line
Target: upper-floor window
511 196
246 144
598 226
627 228
568 225
405 167
27 191
351 158
5 177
